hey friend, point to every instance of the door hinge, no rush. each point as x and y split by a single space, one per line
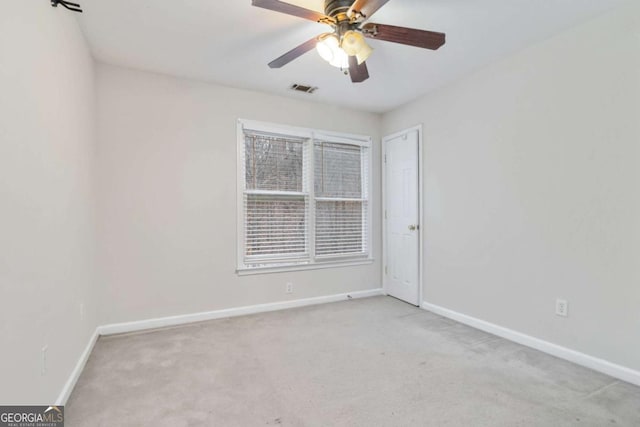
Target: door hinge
385 214
385 158
386 270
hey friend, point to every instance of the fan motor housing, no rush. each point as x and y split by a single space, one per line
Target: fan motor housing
334 8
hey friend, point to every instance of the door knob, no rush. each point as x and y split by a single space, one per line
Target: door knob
413 227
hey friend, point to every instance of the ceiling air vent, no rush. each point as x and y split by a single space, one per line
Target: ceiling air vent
303 88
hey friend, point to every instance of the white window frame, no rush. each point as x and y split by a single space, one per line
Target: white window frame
311 135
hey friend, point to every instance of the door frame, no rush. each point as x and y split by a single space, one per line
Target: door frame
385 141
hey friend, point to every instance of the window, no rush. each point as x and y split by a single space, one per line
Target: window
303 197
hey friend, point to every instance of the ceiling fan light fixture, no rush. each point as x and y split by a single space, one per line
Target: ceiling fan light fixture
354 44
364 53
328 48
341 60
325 46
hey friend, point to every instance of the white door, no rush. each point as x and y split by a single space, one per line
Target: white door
402 213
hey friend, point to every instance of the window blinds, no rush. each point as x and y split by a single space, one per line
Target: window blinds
340 199
275 199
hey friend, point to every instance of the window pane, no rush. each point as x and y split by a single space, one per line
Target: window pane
340 228
273 163
338 170
275 226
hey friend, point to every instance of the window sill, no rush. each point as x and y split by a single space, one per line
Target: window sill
288 268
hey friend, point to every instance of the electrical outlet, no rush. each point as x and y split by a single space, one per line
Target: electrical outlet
289 288
43 359
562 307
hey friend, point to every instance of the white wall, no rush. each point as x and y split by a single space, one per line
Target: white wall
167 184
532 173
47 110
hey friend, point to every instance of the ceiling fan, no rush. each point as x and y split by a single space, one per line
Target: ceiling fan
345 47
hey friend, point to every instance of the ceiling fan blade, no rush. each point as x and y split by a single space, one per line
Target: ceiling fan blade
358 72
291 9
366 7
294 53
409 36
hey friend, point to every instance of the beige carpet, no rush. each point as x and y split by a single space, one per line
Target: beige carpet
369 362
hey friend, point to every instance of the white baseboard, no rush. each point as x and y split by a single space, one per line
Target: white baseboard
119 328
77 370
617 371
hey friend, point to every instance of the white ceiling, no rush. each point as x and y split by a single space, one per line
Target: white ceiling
230 42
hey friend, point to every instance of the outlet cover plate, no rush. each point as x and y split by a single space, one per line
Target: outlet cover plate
562 307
